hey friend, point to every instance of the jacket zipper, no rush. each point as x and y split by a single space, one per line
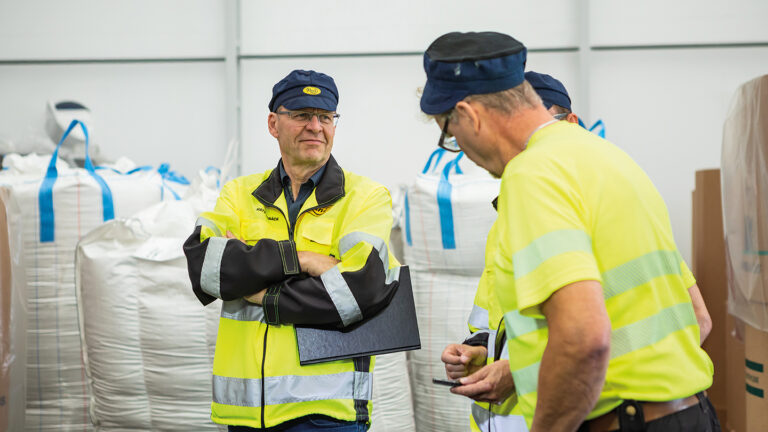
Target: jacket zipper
263 378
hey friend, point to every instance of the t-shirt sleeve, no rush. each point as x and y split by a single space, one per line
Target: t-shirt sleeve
545 243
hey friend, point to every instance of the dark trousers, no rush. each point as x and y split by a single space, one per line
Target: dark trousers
698 418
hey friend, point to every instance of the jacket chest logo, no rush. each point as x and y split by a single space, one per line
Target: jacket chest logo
319 211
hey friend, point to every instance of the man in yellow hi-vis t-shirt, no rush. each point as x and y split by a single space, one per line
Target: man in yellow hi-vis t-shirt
603 317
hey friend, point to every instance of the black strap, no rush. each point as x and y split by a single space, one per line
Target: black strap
362 364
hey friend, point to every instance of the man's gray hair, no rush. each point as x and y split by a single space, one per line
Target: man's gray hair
510 100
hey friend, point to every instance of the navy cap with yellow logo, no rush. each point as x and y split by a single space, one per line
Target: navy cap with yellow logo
463 64
305 89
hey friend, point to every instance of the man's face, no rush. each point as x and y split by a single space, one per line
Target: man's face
302 142
477 147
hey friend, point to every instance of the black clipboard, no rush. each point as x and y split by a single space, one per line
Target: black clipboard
393 329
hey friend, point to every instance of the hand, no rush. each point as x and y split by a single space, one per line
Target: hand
315 264
232 236
462 360
256 298
493 383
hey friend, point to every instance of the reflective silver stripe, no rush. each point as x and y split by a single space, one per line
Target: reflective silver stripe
518 325
201 221
478 318
491 343
242 310
350 240
210 275
497 422
237 391
504 349
341 295
292 388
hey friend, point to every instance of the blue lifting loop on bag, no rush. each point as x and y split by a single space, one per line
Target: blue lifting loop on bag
598 124
444 189
408 238
45 194
167 175
436 156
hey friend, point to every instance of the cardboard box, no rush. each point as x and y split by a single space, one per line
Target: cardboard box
736 418
756 374
708 266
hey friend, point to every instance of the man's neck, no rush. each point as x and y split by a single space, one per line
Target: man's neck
300 174
518 128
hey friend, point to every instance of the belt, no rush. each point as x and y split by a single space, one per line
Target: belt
651 411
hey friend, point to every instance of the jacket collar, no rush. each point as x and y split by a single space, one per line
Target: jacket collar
329 189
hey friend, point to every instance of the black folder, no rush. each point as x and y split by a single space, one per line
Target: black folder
391 330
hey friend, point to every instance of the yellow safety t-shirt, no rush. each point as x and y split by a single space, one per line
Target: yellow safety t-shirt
575 207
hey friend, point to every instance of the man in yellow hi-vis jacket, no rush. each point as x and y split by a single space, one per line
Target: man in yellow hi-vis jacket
304 243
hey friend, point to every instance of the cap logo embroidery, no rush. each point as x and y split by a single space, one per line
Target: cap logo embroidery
311 90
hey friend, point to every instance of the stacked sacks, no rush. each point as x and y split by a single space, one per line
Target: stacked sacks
48 211
447 214
149 343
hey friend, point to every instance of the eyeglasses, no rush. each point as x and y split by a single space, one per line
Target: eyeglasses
560 116
304 117
448 141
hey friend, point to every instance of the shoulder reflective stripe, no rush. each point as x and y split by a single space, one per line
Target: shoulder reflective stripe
341 295
646 332
241 310
201 221
478 318
547 246
292 389
237 391
640 271
519 325
526 379
350 240
210 275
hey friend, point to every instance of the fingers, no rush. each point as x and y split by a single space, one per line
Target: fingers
451 354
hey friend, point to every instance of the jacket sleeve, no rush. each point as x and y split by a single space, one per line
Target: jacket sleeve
357 288
229 269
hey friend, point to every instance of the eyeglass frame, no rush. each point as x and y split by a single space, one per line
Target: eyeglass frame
444 132
560 116
334 116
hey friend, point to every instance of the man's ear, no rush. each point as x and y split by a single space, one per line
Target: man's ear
272 124
572 118
469 112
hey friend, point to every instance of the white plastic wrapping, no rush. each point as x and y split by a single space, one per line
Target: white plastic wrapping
745 202
392 403
448 214
43 276
149 342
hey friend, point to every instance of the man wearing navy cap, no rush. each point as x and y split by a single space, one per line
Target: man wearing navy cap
303 243
483 357
603 317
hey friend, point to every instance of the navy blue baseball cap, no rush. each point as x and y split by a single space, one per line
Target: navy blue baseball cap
305 89
551 91
462 64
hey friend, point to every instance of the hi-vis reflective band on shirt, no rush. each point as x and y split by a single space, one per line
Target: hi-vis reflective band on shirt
201 221
478 318
292 388
624 340
497 422
242 310
547 246
337 287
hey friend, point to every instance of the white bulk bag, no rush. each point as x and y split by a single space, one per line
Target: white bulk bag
448 213
149 342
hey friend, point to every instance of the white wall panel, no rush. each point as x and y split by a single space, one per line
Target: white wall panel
382 133
52 29
664 22
151 113
350 26
666 109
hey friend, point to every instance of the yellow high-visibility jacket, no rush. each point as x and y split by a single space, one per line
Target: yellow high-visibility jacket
486 325
257 379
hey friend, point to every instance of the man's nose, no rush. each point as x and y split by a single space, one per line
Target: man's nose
314 123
